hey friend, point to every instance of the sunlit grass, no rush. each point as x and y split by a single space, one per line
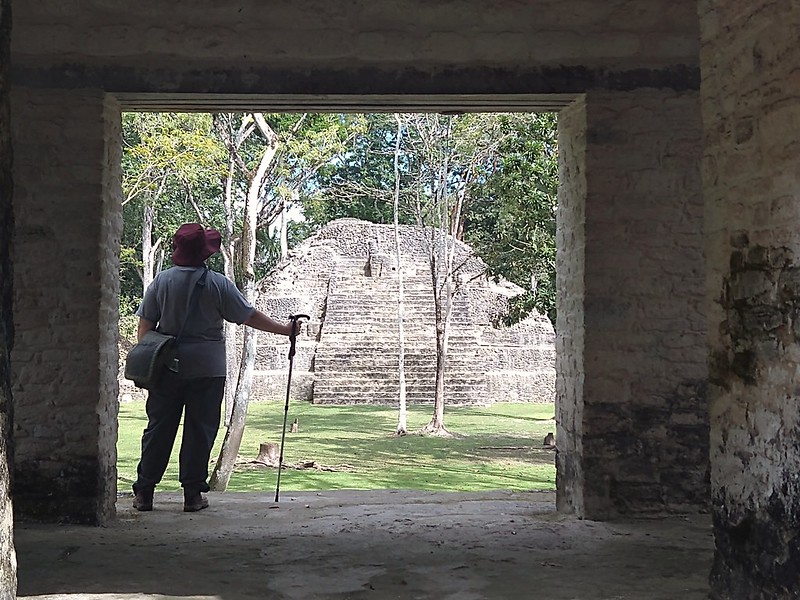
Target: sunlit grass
498 447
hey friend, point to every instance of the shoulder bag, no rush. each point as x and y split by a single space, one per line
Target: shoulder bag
157 351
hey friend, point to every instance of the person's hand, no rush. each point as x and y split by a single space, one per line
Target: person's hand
296 324
296 320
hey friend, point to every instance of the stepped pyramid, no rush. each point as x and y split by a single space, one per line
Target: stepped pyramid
345 279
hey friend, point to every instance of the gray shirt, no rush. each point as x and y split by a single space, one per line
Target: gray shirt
202 346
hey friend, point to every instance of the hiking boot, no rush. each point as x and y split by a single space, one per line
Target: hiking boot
143 499
194 501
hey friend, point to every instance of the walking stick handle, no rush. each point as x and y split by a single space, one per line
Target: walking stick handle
293 334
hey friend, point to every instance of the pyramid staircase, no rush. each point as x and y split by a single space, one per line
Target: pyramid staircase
356 359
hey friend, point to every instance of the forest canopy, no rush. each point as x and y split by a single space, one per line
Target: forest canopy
296 172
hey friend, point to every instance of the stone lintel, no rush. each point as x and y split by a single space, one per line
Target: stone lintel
206 79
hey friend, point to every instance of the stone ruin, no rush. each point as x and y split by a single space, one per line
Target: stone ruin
677 212
345 279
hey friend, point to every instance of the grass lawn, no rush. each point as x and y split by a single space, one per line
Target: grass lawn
493 448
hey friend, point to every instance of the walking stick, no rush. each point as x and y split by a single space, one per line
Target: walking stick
292 339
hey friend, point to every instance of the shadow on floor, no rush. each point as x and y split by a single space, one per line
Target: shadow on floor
365 546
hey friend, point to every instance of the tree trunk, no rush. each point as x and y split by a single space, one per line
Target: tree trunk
402 426
232 362
233 435
444 313
436 425
232 357
235 431
148 217
441 277
8 561
149 249
269 454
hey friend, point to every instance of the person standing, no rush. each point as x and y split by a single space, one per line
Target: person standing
195 389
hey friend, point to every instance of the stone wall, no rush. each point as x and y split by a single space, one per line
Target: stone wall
8 563
631 267
570 275
362 47
750 106
71 61
345 279
66 281
155 54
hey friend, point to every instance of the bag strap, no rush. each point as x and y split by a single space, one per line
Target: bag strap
192 302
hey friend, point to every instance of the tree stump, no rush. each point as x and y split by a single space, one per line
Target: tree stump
268 454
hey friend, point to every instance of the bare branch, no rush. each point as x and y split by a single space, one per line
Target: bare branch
296 127
193 202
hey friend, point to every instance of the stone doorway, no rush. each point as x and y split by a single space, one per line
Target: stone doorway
632 415
476 104
631 367
610 463
621 415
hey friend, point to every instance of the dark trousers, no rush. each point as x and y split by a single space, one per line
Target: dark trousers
202 400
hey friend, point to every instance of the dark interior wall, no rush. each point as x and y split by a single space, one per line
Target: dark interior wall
645 434
363 47
8 574
66 279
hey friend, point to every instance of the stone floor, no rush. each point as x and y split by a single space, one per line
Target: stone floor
366 546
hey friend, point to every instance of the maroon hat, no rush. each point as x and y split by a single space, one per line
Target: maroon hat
192 244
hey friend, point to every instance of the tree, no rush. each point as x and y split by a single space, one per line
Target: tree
168 159
511 222
246 259
452 156
278 166
435 206
402 426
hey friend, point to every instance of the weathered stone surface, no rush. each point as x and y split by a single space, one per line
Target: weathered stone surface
750 88
169 56
345 278
154 35
631 410
154 53
66 283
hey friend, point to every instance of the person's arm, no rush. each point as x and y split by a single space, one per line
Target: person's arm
145 325
258 320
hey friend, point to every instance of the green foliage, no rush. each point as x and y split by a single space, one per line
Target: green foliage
130 283
360 181
168 159
334 165
498 447
128 324
511 221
